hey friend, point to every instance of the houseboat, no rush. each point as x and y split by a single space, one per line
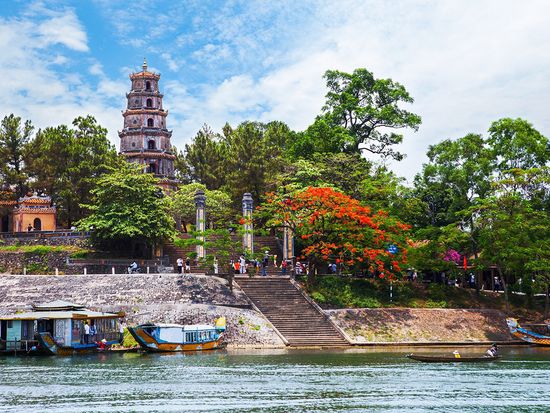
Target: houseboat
176 337
60 328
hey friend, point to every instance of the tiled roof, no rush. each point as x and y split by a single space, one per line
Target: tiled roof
145 75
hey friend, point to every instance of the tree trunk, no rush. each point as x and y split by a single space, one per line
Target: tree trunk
505 287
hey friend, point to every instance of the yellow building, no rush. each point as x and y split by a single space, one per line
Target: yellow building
30 213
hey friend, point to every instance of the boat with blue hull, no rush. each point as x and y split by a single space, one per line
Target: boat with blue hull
527 335
58 328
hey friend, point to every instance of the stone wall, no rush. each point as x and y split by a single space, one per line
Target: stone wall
46 239
14 262
422 325
166 298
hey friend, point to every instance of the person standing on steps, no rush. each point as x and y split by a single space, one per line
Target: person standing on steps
265 263
188 265
242 264
179 263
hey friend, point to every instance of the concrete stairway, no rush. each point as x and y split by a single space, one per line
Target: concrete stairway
301 323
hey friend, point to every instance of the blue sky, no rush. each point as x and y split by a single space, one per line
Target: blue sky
466 63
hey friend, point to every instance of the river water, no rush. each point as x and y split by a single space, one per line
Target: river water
276 381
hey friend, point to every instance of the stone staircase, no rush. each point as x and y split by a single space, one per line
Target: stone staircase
300 322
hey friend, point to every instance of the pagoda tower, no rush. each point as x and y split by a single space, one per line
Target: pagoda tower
145 139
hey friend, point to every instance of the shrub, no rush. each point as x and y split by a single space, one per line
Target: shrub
435 304
319 297
36 268
367 302
437 292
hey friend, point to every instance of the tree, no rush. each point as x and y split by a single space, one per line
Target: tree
127 208
516 144
66 163
321 137
334 227
203 161
47 159
218 205
369 109
254 153
13 140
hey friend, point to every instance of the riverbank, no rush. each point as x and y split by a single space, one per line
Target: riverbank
422 326
189 299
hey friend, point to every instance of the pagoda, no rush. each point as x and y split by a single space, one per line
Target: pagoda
145 138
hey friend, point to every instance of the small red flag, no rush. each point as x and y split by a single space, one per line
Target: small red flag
465 264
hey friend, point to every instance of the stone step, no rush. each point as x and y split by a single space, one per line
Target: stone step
301 323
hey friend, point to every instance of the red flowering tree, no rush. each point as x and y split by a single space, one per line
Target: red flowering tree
334 227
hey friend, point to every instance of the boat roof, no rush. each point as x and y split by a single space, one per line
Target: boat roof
188 327
57 305
56 315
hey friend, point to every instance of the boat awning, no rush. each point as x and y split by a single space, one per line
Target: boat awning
57 315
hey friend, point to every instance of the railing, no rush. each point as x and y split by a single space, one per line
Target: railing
17 345
118 261
97 337
62 233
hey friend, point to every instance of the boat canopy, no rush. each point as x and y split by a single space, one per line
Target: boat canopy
190 327
57 305
56 315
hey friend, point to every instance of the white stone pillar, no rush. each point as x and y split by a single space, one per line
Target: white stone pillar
200 204
248 234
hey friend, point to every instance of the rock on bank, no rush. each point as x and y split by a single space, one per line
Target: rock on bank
166 298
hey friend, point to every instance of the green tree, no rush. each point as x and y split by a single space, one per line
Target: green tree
218 206
47 159
254 153
67 162
14 137
203 160
127 207
369 109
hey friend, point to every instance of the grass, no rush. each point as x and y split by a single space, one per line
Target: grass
343 292
43 249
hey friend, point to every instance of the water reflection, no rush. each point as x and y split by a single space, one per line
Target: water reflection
356 380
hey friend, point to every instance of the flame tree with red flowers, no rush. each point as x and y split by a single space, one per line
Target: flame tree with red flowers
333 227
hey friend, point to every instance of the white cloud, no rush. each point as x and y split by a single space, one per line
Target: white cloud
465 63
38 90
64 29
96 69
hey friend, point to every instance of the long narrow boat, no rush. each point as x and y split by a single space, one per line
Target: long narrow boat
176 337
451 359
526 335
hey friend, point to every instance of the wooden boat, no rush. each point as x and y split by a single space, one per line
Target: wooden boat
526 335
451 359
57 328
176 337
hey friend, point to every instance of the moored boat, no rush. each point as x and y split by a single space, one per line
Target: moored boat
451 359
526 335
58 328
176 337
